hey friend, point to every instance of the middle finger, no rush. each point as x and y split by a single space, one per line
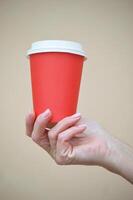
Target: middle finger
61 126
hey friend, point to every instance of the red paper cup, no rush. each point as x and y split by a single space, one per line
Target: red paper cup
56 69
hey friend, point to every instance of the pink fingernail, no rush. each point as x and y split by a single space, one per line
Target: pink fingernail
46 112
76 115
84 126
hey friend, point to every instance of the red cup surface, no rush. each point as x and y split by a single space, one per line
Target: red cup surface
55 80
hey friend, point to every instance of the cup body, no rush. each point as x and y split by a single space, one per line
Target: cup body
55 81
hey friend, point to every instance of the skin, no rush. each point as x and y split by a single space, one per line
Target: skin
77 141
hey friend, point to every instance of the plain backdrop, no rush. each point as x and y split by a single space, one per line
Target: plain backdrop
105 30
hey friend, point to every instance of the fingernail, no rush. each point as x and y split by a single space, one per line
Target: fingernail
83 126
46 112
76 115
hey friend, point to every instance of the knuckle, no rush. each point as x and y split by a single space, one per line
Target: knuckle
61 137
34 138
51 135
41 129
59 161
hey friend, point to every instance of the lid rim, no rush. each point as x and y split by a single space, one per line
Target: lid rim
56 46
30 52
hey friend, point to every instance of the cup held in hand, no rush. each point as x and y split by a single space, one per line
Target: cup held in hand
56 70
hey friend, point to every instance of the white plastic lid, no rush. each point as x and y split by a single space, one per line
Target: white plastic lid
56 46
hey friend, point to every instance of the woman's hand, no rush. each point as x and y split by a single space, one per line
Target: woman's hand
73 140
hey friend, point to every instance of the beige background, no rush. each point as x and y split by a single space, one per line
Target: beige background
105 29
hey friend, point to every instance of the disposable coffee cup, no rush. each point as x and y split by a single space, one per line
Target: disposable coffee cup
56 70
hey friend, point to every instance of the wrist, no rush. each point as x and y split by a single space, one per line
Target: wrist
119 159
113 156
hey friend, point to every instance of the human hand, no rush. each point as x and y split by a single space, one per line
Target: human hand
76 140
73 140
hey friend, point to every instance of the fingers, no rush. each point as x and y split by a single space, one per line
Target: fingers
65 153
71 132
29 123
61 126
40 125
